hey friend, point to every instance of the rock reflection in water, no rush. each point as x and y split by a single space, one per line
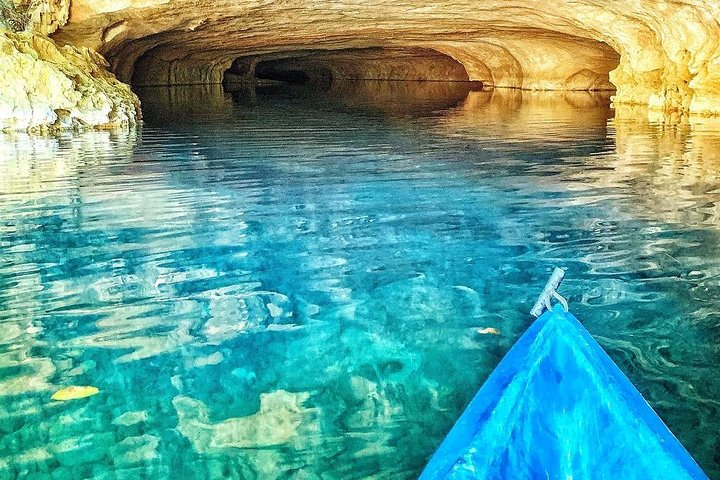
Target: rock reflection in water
374 96
289 284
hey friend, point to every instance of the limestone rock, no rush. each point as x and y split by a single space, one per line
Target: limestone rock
45 86
39 16
663 54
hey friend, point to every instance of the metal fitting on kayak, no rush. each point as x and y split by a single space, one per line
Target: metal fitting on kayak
550 291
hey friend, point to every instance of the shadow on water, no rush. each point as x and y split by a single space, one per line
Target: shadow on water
281 283
387 98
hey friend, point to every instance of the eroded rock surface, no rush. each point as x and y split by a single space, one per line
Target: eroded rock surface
45 86
662 54
665 54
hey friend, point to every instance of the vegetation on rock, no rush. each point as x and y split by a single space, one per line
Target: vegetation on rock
17 16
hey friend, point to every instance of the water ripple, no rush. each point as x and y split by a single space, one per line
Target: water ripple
284 286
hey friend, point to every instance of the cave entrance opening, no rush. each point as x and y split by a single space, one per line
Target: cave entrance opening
296 71
287 76
320 68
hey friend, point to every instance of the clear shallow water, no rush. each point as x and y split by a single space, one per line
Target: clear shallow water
290 285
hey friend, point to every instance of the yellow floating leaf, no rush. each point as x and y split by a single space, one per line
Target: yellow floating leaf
73 393
488 331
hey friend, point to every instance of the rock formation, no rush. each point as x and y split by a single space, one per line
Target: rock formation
45 86
49 87
662 54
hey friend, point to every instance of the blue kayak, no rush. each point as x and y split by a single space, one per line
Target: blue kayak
557 407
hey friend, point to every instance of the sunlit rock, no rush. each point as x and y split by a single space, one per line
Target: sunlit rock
662 54
45 86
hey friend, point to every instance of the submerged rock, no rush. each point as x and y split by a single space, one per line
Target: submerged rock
135 450
131 418
48 87
281 414
488 331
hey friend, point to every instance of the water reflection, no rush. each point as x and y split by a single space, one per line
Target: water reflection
682 179
286 284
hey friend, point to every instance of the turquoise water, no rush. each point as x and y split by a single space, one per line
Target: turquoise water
287 284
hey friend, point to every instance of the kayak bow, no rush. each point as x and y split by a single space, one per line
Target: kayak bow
557 407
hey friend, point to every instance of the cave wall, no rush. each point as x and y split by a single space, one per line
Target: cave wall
44 86
660 53
405 64
663 54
